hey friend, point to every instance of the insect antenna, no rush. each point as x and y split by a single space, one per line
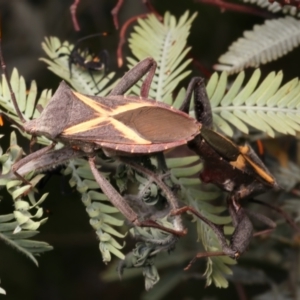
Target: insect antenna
76 45
91 36
12 94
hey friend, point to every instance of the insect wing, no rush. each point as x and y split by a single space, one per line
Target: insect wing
130 124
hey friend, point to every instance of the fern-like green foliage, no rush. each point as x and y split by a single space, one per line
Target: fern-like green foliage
28 103
192 196
166 43
26 99
18 227
263 44
268 106
100 213
275 7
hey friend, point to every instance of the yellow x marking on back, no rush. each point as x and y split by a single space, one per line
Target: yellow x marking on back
107 114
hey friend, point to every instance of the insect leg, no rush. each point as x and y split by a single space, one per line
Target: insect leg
32 156
240 238
104 58
28 159
173 201
148 65
243 231
202 103
218 230
119 202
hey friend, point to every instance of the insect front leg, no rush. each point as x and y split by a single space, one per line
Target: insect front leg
33 156
148 65
32 162
218 230
240 238
243 231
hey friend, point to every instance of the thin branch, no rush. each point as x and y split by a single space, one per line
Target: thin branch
73 9
115 12
122 39
236 7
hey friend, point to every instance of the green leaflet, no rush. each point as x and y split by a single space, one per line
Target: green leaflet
168 50
100 214
17 227
261 45
275 7
26 101
268 107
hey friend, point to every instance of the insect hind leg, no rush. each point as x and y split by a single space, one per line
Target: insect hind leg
119 202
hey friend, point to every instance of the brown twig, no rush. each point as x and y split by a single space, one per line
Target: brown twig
122 37
236 7
73 9
115 12
123 30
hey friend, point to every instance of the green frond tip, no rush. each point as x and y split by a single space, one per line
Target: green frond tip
217 268
261 45
275 7
166 43
100 214
2 291
19 226
269 107
26 99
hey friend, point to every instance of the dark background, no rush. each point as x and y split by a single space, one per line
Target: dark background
73 269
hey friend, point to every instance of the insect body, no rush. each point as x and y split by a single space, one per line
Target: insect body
131 125
128 125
